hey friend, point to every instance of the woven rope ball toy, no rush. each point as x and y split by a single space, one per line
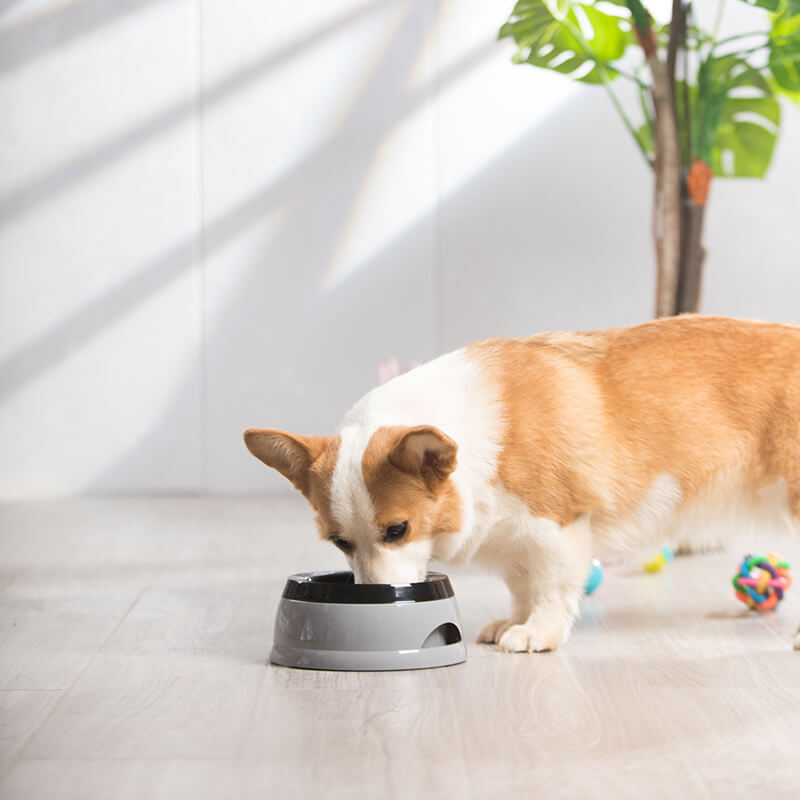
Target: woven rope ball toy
761 581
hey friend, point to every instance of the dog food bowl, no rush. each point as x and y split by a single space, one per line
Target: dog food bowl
327 621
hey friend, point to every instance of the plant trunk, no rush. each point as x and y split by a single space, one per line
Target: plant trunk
683 297
692 257
667 170
695 185
680 194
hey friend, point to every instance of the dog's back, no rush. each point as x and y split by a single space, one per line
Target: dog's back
635 424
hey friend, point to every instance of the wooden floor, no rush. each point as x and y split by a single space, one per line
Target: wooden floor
135 633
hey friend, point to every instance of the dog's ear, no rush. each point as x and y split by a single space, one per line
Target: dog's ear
288 453
424 451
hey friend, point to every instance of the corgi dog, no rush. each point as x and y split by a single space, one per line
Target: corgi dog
528 455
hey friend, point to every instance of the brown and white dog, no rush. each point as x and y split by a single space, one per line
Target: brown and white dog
526 455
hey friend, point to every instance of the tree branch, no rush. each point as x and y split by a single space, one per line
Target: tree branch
677 34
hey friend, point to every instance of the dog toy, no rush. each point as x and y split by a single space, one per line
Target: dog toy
595 577
665 555
761 581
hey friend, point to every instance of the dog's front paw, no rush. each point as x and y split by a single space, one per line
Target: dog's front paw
492 632
530 639
797 640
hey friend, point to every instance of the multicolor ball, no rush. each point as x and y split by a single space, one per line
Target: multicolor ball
762 581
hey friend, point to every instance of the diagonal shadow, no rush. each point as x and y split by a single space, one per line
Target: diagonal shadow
5 5
388 279
22 43
75 170
319 196
36 357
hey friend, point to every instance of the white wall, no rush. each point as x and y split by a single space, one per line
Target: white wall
222 213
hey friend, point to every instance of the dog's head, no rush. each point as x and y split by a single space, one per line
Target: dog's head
382 499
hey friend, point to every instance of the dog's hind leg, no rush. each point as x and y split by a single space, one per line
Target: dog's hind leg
794 503
793 486
794 508
781 450
559 563
790 467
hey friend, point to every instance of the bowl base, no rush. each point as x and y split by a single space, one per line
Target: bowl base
369 660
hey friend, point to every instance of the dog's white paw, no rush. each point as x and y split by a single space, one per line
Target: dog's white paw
530 639
492 632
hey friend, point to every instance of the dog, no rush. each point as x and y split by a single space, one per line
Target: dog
527 455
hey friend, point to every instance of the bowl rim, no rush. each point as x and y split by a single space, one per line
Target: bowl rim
337 586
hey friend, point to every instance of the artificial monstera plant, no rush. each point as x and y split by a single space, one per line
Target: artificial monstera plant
709 103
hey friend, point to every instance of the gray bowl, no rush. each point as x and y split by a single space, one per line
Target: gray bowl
327 621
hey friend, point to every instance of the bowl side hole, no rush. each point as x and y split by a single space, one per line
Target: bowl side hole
447 633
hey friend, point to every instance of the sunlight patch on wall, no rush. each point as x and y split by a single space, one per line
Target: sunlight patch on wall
399 189
266 131
439 148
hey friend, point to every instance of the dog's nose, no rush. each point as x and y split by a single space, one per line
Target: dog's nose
360 576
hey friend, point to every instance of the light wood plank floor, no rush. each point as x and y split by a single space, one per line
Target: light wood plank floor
134 637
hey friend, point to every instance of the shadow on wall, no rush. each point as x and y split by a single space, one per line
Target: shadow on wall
498 248
106 153
500 258
44 32
320 203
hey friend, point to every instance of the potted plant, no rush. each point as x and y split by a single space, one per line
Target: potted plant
709 104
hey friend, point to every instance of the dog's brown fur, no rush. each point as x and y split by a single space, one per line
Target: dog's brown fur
605 413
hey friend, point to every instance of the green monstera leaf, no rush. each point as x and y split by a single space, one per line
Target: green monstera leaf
790 7
742 148
769 5
575 39
732 116
736 118
784 51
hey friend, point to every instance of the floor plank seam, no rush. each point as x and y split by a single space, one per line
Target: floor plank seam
12 583
20 756
130 760
248 727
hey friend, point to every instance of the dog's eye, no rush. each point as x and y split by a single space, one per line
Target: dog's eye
395 532
342 544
